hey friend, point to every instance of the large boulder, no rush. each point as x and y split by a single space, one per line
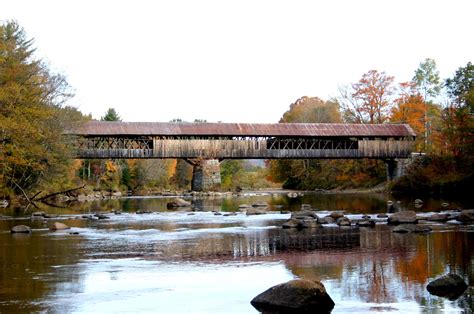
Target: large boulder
59 226
304 214
404 217
295 296
406 228
178 202
466 216
20 229
450 286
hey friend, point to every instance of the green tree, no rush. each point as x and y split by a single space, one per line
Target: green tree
33 152
427 79
429 85
461 87
111 115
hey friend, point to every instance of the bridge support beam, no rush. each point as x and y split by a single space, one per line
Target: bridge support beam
206 175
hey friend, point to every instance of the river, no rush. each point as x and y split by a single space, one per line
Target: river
181 262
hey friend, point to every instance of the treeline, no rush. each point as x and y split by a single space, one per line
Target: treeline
35 157
439 111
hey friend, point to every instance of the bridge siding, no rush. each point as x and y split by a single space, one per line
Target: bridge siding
221 149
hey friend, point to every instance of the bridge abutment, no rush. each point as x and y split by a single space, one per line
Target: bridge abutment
396 167
206 175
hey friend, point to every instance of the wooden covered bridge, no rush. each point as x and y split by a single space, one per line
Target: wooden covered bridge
204 145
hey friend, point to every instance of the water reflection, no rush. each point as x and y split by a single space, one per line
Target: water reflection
153 262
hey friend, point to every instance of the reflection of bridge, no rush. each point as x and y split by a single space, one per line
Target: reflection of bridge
203 144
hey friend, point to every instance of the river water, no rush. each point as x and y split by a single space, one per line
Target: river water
180 262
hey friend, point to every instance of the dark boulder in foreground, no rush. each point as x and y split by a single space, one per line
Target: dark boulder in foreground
450 286
178 202
466 216
405 228
295 296
20 229
405 217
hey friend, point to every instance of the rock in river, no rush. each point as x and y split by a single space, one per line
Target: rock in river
343 222
20 229
255 211
466 216
405 228
295 296
450 286
59 226
302 214
404 217
178 202
366 223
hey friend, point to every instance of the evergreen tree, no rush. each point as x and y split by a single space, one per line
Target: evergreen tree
111 115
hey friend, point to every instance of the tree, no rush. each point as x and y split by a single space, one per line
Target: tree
368 101
111 115
458 128
410 108
461 87
33 151
427 79
428 83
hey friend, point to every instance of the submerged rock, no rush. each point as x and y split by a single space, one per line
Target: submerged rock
382 216
58 226
405 228
404 217
450 286
295 296
178 202
20 229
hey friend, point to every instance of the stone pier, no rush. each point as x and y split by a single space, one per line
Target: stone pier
206 175
396 167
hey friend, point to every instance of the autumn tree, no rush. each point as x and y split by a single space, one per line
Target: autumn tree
410 109
33 152
368 100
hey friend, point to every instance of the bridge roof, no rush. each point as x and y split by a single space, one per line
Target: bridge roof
105 128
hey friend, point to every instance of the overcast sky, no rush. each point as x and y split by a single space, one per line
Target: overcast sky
235 61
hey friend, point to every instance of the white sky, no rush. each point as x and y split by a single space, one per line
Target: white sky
235 61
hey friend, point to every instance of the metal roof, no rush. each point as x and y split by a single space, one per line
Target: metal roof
105 128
